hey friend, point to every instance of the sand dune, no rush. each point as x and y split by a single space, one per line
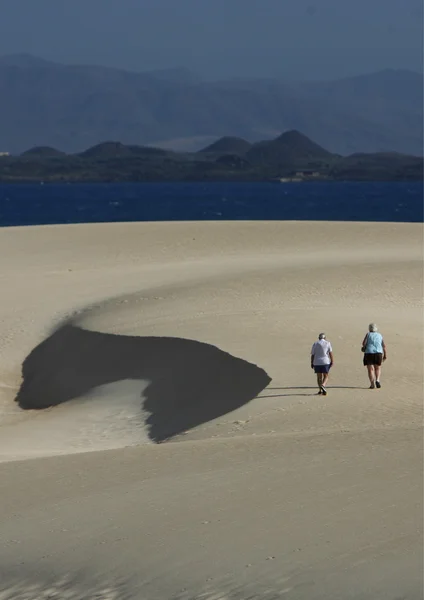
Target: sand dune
117 337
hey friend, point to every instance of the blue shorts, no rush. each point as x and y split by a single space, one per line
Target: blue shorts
322 368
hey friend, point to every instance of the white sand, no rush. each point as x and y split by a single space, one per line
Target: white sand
290 495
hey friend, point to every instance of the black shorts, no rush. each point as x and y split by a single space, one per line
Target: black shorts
373 359
322 368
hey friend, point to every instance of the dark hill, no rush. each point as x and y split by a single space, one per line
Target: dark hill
228 145
375 167
108 150
43 152
290 148
291 155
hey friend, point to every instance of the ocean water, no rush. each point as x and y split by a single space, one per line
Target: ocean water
38 204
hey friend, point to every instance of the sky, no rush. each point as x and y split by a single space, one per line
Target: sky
293 39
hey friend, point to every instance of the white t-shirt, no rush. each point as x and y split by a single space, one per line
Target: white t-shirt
320 351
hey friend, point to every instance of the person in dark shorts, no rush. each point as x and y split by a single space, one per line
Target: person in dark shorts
374 349
322 361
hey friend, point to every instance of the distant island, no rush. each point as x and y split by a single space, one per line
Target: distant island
290 157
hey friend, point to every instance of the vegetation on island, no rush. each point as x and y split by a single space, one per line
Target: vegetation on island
289 157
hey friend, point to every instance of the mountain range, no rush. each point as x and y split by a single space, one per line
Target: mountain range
73 107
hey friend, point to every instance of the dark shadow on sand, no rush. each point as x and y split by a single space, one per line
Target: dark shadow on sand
190 382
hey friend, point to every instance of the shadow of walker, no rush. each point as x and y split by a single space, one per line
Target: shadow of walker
191 382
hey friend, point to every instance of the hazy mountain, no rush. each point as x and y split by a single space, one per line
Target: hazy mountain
73 107
25 61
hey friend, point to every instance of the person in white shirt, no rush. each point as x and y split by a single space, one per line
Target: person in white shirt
322 361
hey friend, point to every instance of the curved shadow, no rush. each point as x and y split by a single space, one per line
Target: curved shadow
190 382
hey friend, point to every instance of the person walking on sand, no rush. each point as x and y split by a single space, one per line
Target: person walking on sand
321 361
374 350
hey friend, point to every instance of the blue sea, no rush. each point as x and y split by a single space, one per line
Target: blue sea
37 204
